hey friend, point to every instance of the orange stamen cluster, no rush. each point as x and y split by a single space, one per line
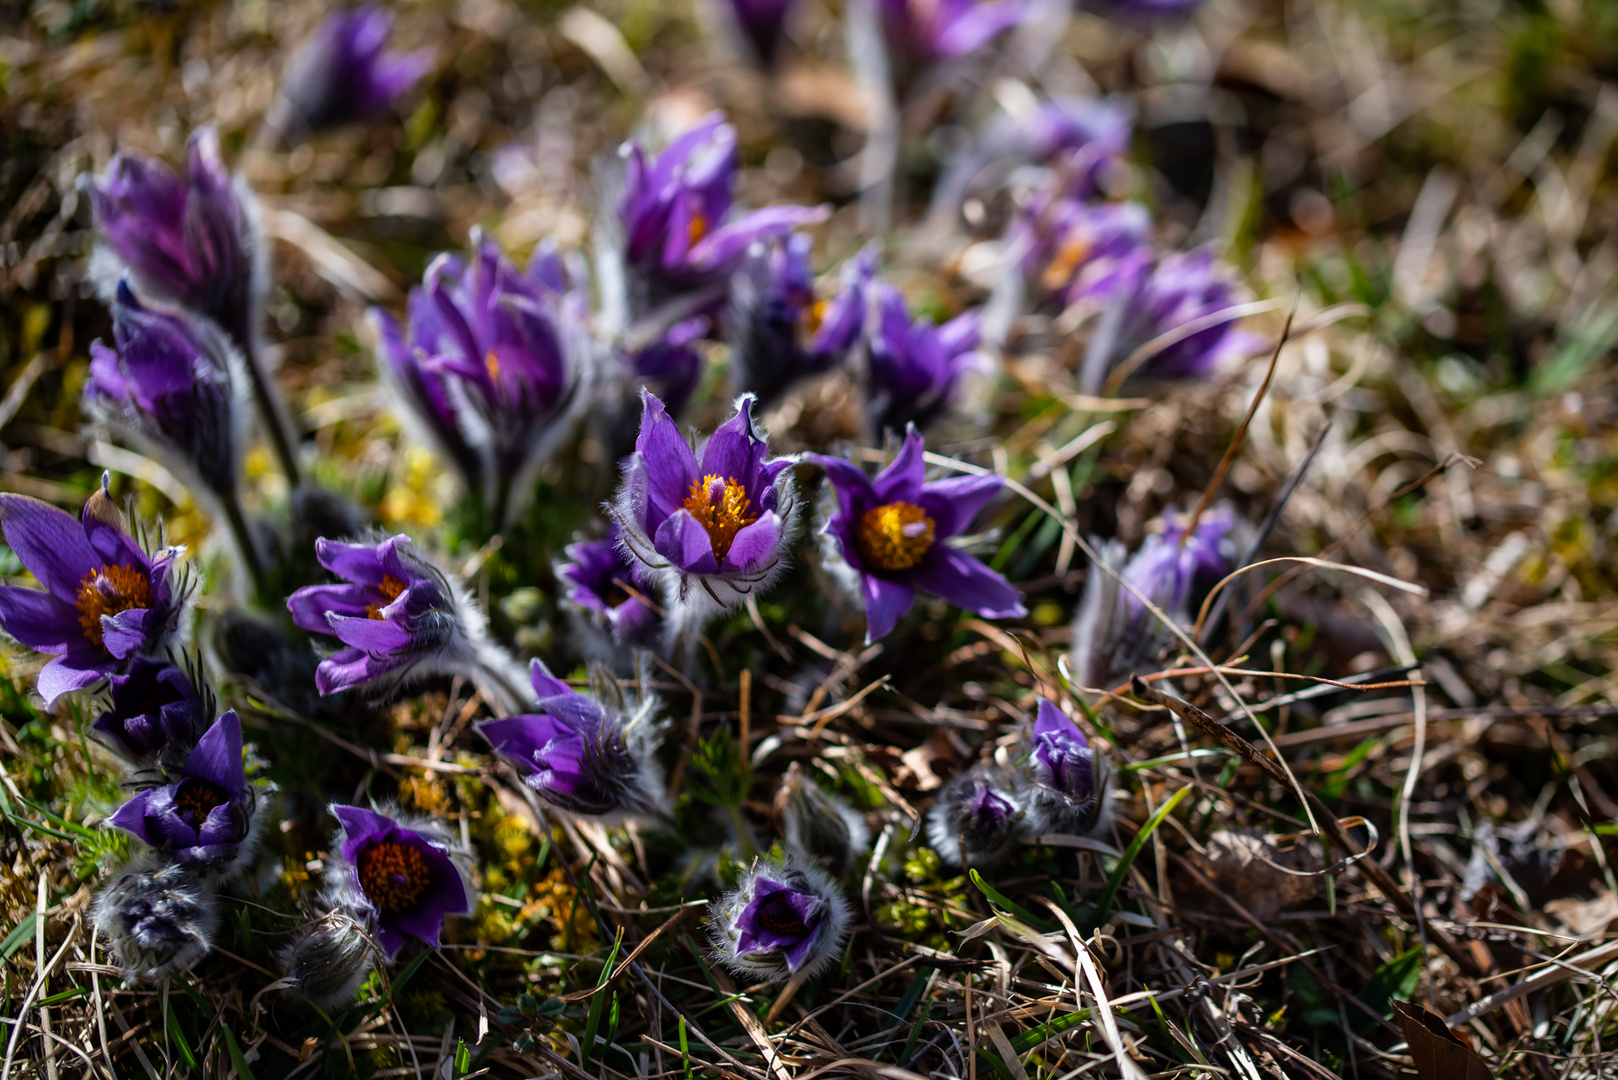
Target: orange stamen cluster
391 587
393 875
697 228
894 536
721 506
813 316
194 801
108 591
1059 271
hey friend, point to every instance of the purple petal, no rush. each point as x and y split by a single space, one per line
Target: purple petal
753 543
310 604
352 562
378 637
544 683
218 756
65 674
129 632
902 480
682 540
953 575
131 817
953 503
666 457
49 542
348 668
38 619
734 451
359 825
886 602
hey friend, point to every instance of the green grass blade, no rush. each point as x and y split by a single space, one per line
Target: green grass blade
996 896
592 1022
238 1062
1116 879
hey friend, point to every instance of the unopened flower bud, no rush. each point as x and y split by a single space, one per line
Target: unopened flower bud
157 918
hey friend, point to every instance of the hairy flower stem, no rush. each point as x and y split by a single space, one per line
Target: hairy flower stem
270 408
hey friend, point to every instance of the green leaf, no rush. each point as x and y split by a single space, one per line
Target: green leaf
685 1051
1028 1040
1115 880
20 935
1394 981
237 1060
171 1020
592 1022
463 1058
993 1061
996 896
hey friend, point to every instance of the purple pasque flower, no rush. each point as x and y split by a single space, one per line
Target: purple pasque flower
599 579
1068 789
104 601
779 332
915 368
926 31
894 533
492 365
671 366
786 918
978 817
401 879
590 755
207 818
1185 308
1078 251
192 240
344 73
716 524
396 614
1114 634
678 241
762 22
175 388
155 713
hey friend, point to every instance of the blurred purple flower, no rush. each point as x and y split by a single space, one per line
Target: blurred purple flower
925 31
396 615
894 533
979 816
916 367
581 756
493 363
762 22
678 244
717 526
671 367
104 600
402 880
342 74
1069 790
595 580
1188 295
786 918
175 389
193 240
155 712
1114 634
1081 251
207 818
780 332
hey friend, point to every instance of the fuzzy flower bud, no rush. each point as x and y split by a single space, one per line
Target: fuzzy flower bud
819 824
590 755
977 818
330 959
784 919
157 918
1069 780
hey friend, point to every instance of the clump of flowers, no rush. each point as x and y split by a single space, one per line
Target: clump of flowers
784 919
494 361
591 755
893 534
711 528
105 600
345 74
978 817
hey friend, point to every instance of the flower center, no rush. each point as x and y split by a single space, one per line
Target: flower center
813 316
391 587
722 507
697 228
107 592
194 798
393 875
894 536
778 917
1059 271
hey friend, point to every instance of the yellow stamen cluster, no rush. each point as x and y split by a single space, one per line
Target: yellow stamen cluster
108 591
697 229
1059 271
194 801
393 875
391 587
723 514
894 536
491 364
813 316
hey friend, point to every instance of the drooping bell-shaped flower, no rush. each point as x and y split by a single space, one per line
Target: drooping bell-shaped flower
1067 790
587 754
978 817
157 918
175 389
104 601
1114 634
711 528
784 919
207 819
401 879
1176 319
492 364
819 824
680 242
599 579
397 615
345 74
192 240
915 368
779 332
156 715
893 532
